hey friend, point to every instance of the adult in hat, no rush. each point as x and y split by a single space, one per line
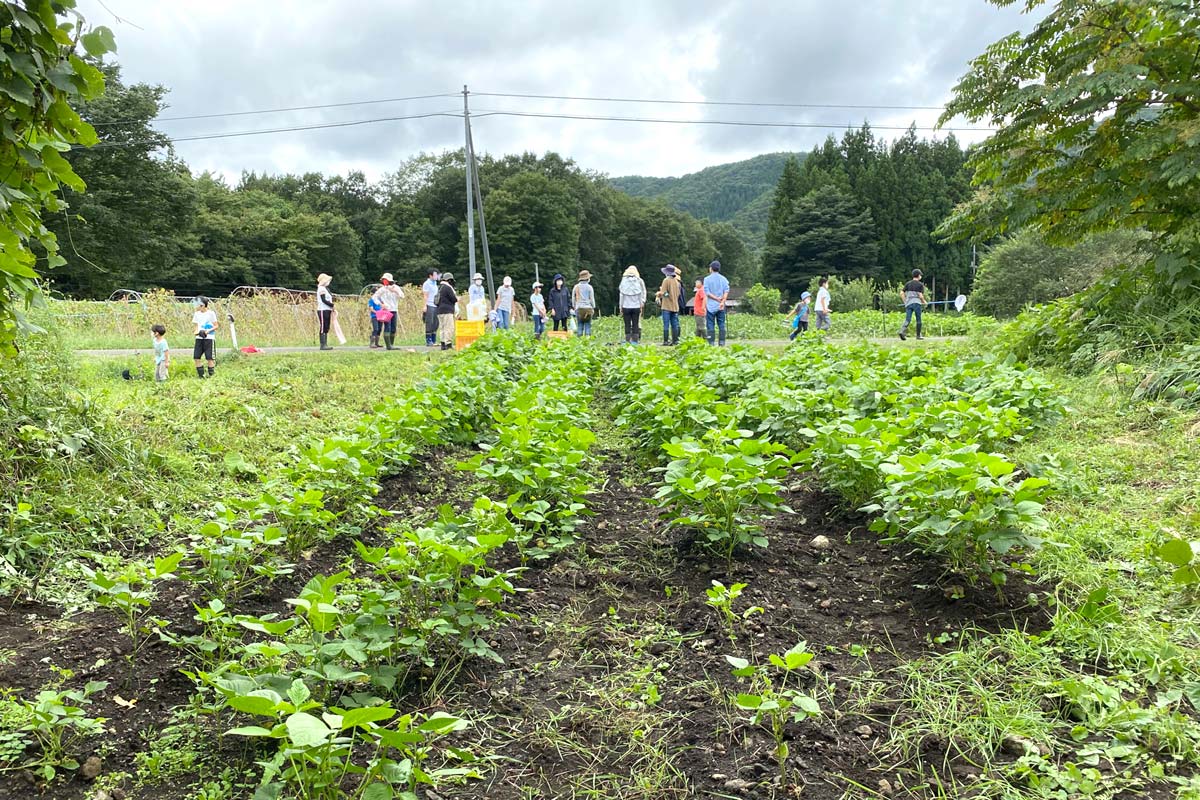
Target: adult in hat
324 309
716 293
388 297
505 296
583 298
670 299
447 309
631 298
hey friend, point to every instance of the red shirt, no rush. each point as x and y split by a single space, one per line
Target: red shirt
698 303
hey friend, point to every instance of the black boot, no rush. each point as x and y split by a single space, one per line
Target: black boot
919 336
388 340
325 342
212 371
374 345
199 372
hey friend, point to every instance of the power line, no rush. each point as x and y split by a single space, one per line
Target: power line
280 110
747 104
320 126
743 123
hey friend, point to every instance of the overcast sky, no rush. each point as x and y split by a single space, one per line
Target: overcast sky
220 56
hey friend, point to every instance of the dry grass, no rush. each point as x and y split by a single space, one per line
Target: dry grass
263 320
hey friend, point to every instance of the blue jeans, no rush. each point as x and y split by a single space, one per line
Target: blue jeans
909 311
715 319
502 317
670 326
539 325
583 327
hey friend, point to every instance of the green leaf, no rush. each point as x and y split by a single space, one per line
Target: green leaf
356 717
378 791
248 730
305 730
1176 552
262 702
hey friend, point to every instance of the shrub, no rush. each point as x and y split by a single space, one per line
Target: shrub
763 301
848 295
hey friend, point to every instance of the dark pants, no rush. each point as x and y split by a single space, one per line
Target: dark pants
376 327
431 324
390 325
324 316
909 311
715 320
560 324
670 325
802 327
632 316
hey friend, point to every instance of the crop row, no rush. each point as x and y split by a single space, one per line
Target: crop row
909 435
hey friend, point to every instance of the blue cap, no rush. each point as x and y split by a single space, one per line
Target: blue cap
715 266
806 295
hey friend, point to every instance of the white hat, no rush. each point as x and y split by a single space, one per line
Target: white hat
387 276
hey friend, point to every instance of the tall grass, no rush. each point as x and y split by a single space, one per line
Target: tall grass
262 320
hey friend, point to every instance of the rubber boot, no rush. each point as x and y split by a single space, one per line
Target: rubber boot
388 340
325 342
199 372
919 336
374 345
212 371
904 332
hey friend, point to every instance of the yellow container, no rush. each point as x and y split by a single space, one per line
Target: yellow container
462 340
464 327
558 334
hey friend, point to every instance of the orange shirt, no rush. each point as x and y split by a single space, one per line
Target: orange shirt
698 303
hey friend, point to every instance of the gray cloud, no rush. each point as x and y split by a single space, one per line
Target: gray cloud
224 56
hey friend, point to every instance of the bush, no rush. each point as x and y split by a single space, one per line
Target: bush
854 295
763 301
1024 270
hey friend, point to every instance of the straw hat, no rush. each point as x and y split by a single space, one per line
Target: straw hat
584 275
630 272
323 279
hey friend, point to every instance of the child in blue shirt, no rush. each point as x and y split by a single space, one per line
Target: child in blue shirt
800 316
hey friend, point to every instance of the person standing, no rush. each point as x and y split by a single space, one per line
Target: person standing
162 352
716 294
822 311
800 316
632 299
504 304
670 299
559 301
430 291
583 298
447 310
324 309
388 296
376 326
913 297
698 309
537 310
205 320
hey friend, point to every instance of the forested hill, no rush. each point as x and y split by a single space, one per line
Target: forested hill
739 193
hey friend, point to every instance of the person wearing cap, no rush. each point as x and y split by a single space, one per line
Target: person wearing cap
324 309
559 301
447 309
430 290
716 293
477 304
205 320
698 309
388 296
800 316
504 303
537 310
670 299
583 298
632 299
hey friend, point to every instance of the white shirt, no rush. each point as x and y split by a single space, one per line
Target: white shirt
504 298
538 304
206 321
389 297
430 289
823 300
324 299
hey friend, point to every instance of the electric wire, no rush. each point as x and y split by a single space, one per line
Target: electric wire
738 103
280 110
742 123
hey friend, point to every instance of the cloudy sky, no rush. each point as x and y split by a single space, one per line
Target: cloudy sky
225 56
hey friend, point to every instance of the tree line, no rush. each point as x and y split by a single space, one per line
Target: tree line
863 207
146 221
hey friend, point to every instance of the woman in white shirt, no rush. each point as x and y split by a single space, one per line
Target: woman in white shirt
388 296
504 304
324 309
205 320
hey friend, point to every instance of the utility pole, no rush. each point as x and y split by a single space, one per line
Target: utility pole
487 255
470 187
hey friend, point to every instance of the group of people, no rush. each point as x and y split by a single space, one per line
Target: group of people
564 307
912 296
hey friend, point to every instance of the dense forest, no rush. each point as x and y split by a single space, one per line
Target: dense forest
863 207
146 221
739 192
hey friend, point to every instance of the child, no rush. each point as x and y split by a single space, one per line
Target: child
823 301
800 323
205 320
162 352
376 325
537 308
698 309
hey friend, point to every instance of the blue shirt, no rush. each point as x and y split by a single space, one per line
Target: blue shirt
715 285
